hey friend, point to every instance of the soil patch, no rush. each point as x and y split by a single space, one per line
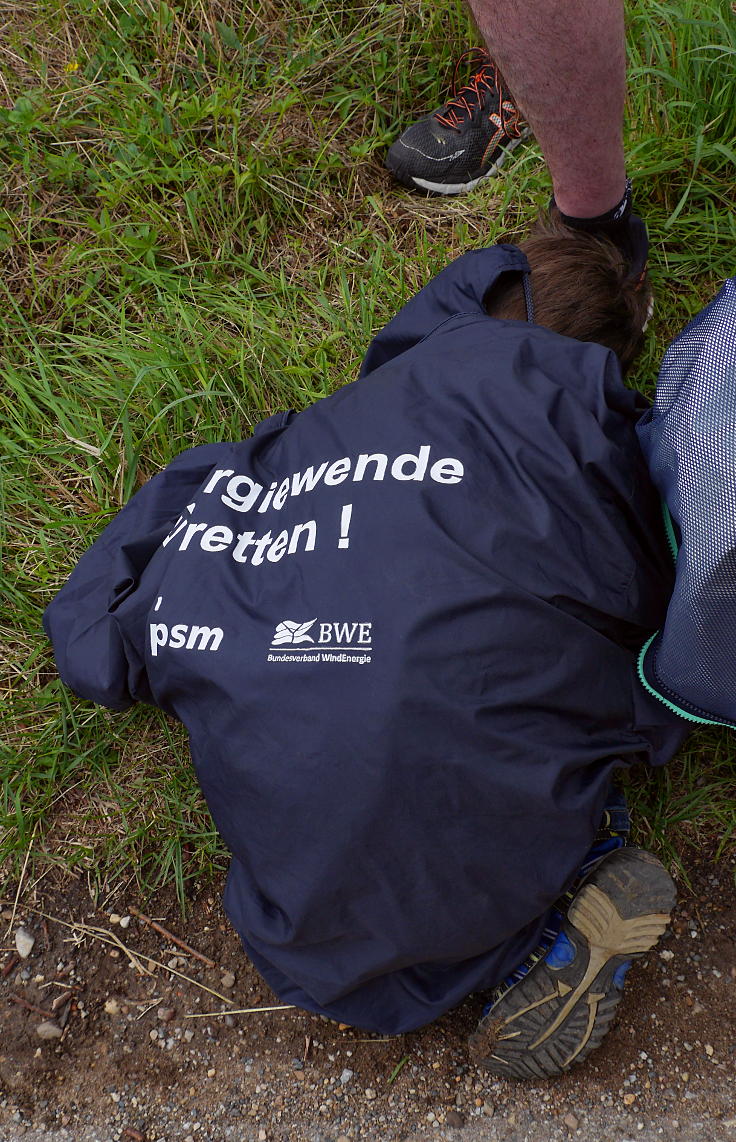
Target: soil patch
140 1050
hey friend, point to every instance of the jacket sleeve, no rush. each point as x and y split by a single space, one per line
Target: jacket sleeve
459 288
91 655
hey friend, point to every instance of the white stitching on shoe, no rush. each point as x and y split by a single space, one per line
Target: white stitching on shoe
464 187
434 158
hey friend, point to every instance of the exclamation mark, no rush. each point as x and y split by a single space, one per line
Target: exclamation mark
347 511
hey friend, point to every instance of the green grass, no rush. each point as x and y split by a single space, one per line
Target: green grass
195 231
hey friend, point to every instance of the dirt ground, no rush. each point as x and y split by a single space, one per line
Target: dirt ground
140 1050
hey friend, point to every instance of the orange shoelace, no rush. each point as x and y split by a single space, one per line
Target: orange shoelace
465 101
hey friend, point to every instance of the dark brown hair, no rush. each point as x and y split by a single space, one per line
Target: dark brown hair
580 287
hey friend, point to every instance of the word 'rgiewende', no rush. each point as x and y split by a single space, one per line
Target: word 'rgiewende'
242 493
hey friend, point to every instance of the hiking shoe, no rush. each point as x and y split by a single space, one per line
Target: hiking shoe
464 142
560 1011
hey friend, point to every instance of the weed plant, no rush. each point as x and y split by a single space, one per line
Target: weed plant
196 230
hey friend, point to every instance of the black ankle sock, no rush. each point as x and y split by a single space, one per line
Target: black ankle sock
621 226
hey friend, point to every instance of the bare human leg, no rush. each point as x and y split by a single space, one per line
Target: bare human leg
565 63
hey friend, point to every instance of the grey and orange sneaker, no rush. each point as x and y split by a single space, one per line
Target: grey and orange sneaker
560 1010
464 142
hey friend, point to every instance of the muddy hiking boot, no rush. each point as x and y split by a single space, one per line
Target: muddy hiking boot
465 141
561 1009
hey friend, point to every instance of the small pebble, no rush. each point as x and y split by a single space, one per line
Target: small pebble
114 918
49 1030
571 1121
370 1093
629 1099
124 921
166 1014
228 981
346 1076
24 942
454 1118
112 1007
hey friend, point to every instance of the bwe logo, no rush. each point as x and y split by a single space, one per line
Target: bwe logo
345 634
291 632
333 642
329 635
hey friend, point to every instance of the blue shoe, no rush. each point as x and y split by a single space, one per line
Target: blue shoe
561 1009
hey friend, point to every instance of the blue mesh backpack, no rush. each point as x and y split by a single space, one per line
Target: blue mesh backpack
689 440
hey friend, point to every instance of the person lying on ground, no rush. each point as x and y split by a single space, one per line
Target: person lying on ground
401 629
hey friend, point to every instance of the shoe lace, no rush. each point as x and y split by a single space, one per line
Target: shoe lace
466 100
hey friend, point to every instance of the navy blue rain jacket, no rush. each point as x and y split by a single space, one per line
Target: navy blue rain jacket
400 628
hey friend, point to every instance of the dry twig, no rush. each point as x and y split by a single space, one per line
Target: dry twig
8 967
170 936
20 882
61 1000
30 1006
239 1011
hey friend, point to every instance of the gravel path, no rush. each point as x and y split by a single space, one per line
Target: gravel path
595 1126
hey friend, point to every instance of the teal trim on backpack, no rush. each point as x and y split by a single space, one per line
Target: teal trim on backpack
669 529
671 705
